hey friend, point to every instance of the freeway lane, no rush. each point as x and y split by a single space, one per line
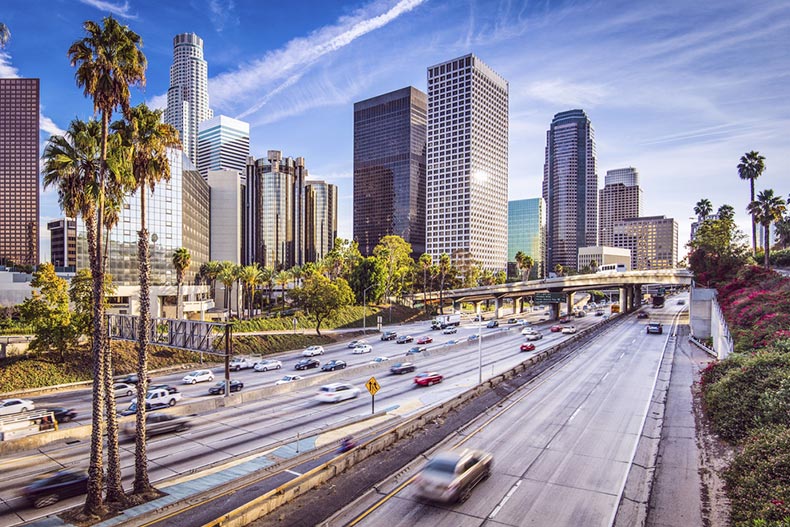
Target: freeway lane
561 451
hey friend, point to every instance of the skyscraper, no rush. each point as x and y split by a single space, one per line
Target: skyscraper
526 232
320 219
620 198
63 242
389 169
653 241
570 188
187 97
467 155
223 144
19 196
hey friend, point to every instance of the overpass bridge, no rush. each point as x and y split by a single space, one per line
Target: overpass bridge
629 283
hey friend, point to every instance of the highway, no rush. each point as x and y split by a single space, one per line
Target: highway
231 432
562 448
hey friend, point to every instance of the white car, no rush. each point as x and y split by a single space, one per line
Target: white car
312 351
534 336
379 360
268 364
289 378
523 322
16 406
355 343
528 331
198 376
362 348
450 330
336 392
124 390
569 330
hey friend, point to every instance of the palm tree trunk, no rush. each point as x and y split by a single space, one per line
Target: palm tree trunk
179 308
754 224
766 256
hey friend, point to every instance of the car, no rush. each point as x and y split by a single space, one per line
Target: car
403 339
473 337
362 348
450 476
527 346
655 327
428 378
492 324
241 363
198 376
528 331
219 388
389 335
306 364
569 330
313 351
123 389
355 343
288 378
599 313
555 329
522 322
170 389
642 314
606 317
50 489
333 365
512 321
424 340
402 367
450 330
157 423
681 302
379 360
478 318
62 415
565 320
534 336
415 350
16 406
267 364
336 392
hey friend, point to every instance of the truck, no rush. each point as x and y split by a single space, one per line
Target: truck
658 301
241 363
157 398
443 321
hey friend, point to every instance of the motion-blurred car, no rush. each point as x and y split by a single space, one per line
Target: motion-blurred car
379 360
451 476
336 392
403 339
157 423
313 351
267 364
400 368
642 314
599 313
534 336
512 321
219 388
655 327
569 330
473 337
389 335
428 378
565 320
16 406
170 389
492 324
288 378
362 348
306 364
123 389
527 346
62 415
333 365
528 331
132 378
424 340
198 376
48 490
416 350
358 342
556 329
681 302
450 330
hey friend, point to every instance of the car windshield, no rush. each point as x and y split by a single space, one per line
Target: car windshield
325 389
441 465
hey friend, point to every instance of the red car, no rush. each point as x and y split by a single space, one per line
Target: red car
424 340
556 329
528 346
565 320
427 379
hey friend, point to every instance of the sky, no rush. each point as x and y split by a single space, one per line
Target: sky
679 90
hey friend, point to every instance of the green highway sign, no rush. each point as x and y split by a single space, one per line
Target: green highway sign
550 298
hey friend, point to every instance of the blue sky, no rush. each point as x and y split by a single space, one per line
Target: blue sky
679 90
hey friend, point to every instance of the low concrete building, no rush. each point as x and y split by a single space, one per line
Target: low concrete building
604 255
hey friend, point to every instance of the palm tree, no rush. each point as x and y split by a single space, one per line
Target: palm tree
765 210
250 276
108 61
210 270
149 140
783 232
425 262
726 212
751 167
702 209
444 268
181 261
525 263
281 279
227 276
594 265
267 277
5 35
559 269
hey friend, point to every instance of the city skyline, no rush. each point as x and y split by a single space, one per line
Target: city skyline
680 96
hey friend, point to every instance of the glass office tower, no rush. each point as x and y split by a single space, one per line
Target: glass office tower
526 232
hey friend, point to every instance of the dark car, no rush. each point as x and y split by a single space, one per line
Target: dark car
158 423
599 313
333 365
219 388
492 324
642 314
655 327
389 335
132 378
305 364
512 321
55 487
170 389
416 350
62 415
400 368
403 339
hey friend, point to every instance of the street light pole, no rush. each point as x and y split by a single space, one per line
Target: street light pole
480 351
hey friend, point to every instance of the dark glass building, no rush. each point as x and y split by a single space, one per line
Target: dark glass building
389 169
19 196
63 243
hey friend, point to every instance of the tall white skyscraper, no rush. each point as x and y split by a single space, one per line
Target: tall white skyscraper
187 97
467 158
223 144
619 199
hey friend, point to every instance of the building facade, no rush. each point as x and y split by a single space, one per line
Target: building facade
526 232
320 219
570 188
603 255
652 240
389 169
187 96
19 186
467 163
63 242
223 144
619 199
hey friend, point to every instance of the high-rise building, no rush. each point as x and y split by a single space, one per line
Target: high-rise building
223 144
653 241
320 219
526 232
570 188
467 156
63 242
19 187
389 169
619 199
187 97
274 213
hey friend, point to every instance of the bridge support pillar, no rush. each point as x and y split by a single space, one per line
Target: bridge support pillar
555 311
497 304
569 304
622 299
477 308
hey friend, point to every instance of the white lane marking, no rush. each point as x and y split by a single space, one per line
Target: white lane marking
574 414
292 472
621 356
504 500
605 376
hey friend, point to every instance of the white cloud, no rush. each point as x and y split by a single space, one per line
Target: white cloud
566 93
7 71
157 102
222 14
48 125
121 10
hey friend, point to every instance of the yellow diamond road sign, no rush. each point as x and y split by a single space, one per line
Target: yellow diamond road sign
373 386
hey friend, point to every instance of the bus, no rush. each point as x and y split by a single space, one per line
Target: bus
615 308
618 268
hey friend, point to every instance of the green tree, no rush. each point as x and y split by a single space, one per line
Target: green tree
726 212
593 266
717 251
47 310
752 166
425 262
525 263
783 232
227 277
395 255
210 270
342 258
500 277
702 209
182 259
765 210
282 279
443 268
473 274
368 273
559 270
81 296
250 277
321 297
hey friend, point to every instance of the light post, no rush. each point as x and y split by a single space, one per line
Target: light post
480 351
365 308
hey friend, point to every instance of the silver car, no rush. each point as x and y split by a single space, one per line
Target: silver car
124 390
268 364
198 376
451 476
